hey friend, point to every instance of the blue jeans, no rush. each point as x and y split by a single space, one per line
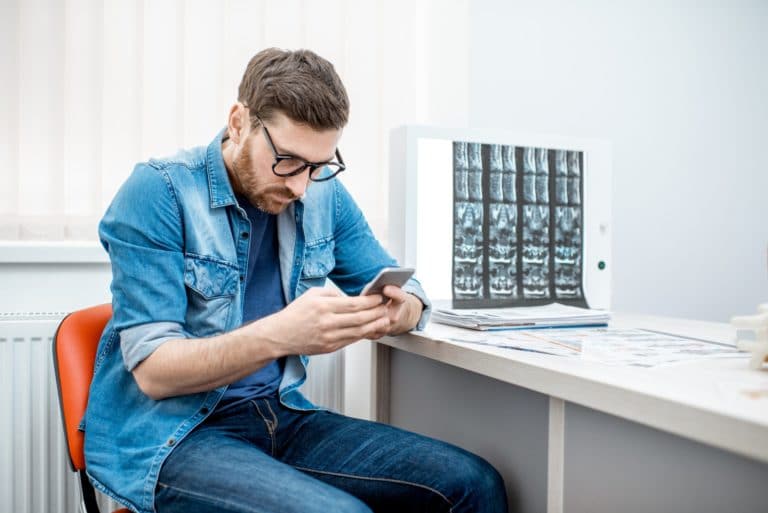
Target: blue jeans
258 456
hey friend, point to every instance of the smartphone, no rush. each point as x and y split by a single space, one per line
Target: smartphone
397 276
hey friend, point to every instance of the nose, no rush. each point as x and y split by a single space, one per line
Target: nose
297 184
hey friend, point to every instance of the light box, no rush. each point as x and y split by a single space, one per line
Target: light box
493 218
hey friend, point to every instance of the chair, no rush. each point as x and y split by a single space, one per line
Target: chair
74 352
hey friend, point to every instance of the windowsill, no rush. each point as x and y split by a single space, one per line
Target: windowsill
44 252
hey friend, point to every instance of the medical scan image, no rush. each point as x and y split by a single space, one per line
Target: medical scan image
517 225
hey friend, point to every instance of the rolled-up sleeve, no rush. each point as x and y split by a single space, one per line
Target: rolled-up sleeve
142 232
414 287
138 342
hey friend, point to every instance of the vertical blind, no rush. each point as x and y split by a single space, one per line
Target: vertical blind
90 87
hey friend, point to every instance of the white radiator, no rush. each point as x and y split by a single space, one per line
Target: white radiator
34 470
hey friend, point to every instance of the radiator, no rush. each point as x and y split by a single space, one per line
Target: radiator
34 470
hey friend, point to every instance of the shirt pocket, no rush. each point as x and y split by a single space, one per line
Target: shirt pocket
211 289
318 264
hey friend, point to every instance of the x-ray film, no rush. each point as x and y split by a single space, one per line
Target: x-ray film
517 226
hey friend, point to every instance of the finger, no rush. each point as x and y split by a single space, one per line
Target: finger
369 330
356 319
395 293
346 304
378 329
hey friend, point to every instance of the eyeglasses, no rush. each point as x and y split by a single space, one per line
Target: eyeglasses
289 165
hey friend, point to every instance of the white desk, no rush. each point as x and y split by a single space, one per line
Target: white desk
579 436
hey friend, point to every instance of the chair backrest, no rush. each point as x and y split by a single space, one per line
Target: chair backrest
74 352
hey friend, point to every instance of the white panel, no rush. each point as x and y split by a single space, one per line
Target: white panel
284 24
21 413
325 31
121 99
445 88
82 107
9 98
203 114
6 423
361 144
598 229
416 65
555 455
401 96
402 62
161 100
434 222
40 357
325 381
358 380
243 37
40 108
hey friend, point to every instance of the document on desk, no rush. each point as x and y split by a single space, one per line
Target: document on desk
545 316
611 346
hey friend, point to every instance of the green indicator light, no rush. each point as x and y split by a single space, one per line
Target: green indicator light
601 265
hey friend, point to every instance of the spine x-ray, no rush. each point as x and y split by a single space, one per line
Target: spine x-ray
517 226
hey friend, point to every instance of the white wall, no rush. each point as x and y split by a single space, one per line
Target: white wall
53 287
680 90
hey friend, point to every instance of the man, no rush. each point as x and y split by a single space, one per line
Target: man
219 255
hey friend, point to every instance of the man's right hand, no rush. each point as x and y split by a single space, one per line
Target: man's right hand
320 321
323 321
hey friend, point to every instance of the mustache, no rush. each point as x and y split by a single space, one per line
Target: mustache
282 191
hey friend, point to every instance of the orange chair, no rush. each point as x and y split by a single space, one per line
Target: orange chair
74 351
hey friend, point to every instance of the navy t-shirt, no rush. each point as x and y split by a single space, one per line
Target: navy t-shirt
263 296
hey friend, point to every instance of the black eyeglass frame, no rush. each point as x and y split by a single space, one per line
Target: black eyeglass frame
311 165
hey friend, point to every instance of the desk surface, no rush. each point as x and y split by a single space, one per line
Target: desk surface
720 402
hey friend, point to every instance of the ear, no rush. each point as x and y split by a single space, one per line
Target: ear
237 123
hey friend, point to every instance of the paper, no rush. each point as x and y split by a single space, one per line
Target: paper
612 346
523 340
551 315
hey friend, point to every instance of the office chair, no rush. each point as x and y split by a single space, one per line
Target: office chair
74 351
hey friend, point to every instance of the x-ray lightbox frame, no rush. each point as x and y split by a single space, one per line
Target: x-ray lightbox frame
421 203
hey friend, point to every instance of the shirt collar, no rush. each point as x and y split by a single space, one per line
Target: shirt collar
218 180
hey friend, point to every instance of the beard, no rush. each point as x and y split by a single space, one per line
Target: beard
270 198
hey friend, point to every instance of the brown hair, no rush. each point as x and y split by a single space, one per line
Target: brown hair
300 84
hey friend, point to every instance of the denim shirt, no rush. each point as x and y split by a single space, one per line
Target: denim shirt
178 243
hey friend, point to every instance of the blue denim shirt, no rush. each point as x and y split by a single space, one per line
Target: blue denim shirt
178 243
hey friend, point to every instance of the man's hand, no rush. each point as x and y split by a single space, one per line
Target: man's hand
320 321
404 310
323 321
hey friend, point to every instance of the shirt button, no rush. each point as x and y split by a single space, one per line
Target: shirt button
244 235
171 442
242 278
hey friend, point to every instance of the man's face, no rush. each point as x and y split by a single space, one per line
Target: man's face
253 158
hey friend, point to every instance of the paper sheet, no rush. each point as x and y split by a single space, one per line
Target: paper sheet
612 346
